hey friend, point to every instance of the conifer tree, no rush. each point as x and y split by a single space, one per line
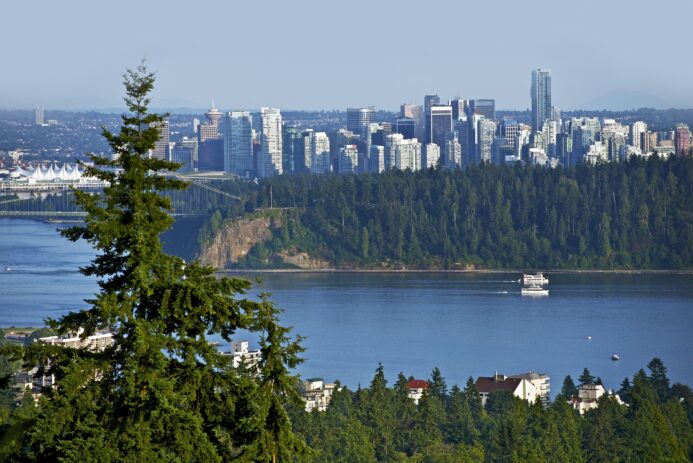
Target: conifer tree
162 391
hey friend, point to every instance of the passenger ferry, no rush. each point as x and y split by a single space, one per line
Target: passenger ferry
537 279
534 290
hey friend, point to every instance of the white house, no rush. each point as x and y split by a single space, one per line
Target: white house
519 387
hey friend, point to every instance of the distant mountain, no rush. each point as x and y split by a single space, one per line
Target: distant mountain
619 101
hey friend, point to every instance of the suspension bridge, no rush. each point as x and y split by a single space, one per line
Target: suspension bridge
59 203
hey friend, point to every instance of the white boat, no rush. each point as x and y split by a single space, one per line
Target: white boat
534 279
8 269
534 290
615 357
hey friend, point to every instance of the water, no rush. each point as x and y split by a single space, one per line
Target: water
465 324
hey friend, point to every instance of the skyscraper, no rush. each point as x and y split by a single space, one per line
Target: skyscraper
429 101
682 139
161 148
541 97
415 112
440 124
320 152
38 115
486 130
484 107
269 162
348 159
636 131
359 119
238 143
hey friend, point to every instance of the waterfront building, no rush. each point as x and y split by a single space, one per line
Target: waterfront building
238 143
270 158
242 355
682 140
319 151
316 394
519 387
415 389
358 119
432 156
541 98
541 382
348 159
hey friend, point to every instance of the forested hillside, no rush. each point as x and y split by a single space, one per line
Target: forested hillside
381 423
631 215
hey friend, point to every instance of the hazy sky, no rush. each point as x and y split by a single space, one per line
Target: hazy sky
303 54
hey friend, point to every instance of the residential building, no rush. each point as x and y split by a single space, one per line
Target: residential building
682 140
597 152
432 156
541 98
161 146
453 152
39 115
269 161
348 159
408 155
377 159
519 387
485 133
636 134
293 151
316 394
242 355
541 382
416 388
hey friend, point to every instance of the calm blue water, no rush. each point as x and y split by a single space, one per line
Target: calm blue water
466 324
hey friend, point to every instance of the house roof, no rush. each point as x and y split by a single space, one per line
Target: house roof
417 384
486 385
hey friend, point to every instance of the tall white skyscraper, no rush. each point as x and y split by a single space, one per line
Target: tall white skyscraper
320 153
38 115
269 162
238 143
636 131
541 97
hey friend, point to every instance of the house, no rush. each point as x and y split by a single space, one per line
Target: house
519 387
416 388
588 397
316 394
541 382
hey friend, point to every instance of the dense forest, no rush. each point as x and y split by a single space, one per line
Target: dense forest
631 215
381 423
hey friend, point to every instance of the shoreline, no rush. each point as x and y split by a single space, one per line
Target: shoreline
474 271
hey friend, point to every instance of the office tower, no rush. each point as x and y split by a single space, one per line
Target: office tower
429 101
238 143
358 119
415 112
377 159
185 153
348 159
293 156
486 130
541 97
636 131
304 151
453 152
320 153
460 108
556 115
483 107
682 140
39 115
408 154
269 161
161 149
432 156
439 123
406 126
463 129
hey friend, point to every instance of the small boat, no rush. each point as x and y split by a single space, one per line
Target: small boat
534 279
8 269
534 290
589 338
615 357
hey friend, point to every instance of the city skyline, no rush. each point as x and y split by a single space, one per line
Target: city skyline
74 57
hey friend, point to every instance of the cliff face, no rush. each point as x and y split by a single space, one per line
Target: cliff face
236 238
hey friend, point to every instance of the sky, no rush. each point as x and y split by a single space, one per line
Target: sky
305 54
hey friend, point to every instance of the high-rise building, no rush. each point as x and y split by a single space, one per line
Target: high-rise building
429 101
541 97
359 119
406 126
636 131
304 151
185 153
408 155
238 143
269 162
453 152
161 148
377 159
348 159
682 139
210 129
486 131
483 107
439 123
320 153
293 155
39 115
460 108
432 156
415 112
